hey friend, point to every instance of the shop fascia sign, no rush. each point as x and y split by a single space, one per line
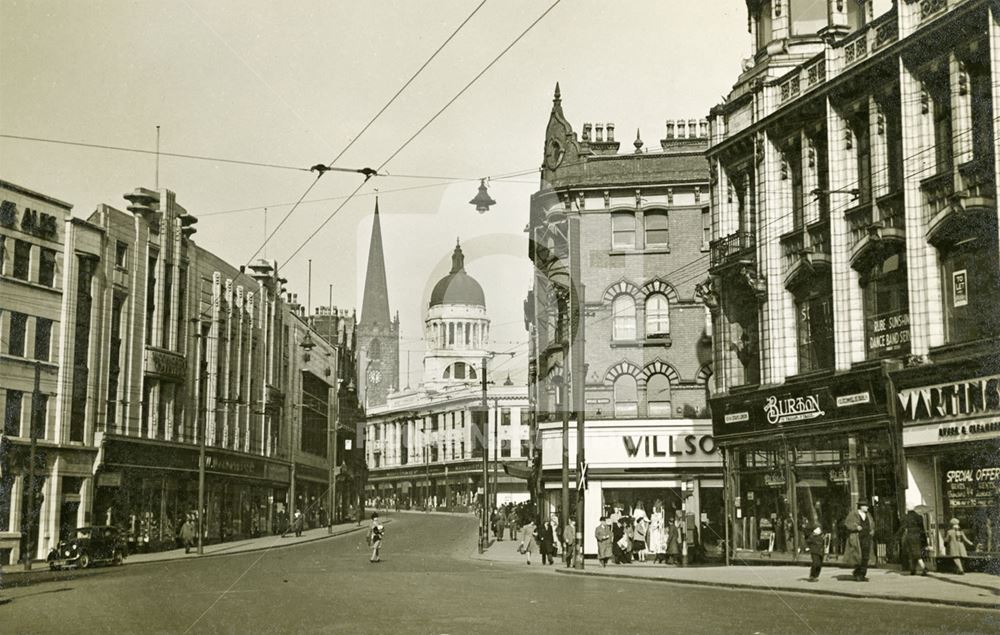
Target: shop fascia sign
32 221
668 445
960 399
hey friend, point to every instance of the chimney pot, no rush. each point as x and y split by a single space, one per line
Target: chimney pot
599 132
670 129
611 132
586 131
681 129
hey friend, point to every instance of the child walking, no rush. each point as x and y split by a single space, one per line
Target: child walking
815 546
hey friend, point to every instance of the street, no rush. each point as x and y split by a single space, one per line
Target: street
427 583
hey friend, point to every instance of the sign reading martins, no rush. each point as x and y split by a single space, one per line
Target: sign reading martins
959 399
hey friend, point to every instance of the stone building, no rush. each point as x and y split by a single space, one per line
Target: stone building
854 266
618 241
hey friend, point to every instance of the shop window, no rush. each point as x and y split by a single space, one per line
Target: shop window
626 396
658 396
43 338
12 413
47 267
971 288
656 229
886 305
657 315
22 259
808 17
623 310
18 329
814 322
623 230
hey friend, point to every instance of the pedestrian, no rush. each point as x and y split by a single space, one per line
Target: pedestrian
859 540
528 540
297 522
655 535
675 539
547 540
639 539
501 525
913 542
954 542
604 536
569 542
375 537
188 534
513 523
815 545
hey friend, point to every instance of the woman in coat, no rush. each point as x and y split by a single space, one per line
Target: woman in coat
528 543
675 538
954 542
913 541
604 537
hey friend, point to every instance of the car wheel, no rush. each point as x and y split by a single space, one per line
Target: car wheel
84 560
117 559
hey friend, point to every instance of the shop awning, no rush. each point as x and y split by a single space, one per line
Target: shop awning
517 471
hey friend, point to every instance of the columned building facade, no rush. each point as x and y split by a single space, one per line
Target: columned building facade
853 259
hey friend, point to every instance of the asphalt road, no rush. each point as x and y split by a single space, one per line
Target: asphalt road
428 584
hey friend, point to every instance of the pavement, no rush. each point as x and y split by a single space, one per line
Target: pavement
978 590
248 545
427 584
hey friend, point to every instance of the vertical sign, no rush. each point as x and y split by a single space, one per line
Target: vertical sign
960 287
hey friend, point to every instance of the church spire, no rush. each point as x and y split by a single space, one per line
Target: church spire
375 306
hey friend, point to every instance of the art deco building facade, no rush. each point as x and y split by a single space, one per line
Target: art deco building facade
854 269
618 242
145 344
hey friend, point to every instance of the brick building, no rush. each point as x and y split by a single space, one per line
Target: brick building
639 222
854 268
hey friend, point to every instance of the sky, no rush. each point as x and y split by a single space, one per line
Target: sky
290 84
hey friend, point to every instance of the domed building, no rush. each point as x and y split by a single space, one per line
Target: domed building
457 327
425 444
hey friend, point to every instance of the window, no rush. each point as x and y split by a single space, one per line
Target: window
505 448
887 320
764 25
856 14
814 316
794 159
121 255
706 227
505 416
626 396
623 310
168 302
18 327
808 16
47 267
451 333
41 416
43 338
22 259
81 351
657 315
941 96
459 370
447 372
658 396
971 288
656 229
150 296
623 230
12 413
864 158
114 359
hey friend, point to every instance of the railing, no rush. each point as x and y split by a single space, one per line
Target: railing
977 179
802 79
856 47
890 211
929 8
877 35
739 244
819 240
792 246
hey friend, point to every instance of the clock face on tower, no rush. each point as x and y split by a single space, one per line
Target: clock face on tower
375 376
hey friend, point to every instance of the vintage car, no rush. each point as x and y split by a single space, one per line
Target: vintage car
89 545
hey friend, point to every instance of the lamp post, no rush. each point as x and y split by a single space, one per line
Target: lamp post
484 539
306 345
199 396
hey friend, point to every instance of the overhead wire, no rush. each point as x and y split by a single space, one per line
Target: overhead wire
371 121
433 118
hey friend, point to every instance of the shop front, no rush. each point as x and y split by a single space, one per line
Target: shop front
803 454
950 419
451 485
673 464
149 488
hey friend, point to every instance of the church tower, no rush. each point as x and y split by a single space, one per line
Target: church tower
378 332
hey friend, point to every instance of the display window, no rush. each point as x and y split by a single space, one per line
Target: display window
970 492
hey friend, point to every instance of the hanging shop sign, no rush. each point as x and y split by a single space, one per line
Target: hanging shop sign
799 405
165 364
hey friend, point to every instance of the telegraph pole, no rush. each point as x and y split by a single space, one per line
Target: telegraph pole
485 536
579 374
36 396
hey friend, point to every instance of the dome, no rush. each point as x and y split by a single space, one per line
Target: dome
458 287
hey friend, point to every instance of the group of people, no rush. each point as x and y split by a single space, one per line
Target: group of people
639 537
509 519
548 540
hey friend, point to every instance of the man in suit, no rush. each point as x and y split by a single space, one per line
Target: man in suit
859 540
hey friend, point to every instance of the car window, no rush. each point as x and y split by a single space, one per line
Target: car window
83 533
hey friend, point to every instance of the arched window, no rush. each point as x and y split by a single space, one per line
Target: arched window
471 371
657 315
447 372
623 309
658 396
626 396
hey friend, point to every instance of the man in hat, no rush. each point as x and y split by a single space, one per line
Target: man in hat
859 540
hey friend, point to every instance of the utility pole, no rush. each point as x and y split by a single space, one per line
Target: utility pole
36 396
331 450
496 448
484 540
201 436
577 299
